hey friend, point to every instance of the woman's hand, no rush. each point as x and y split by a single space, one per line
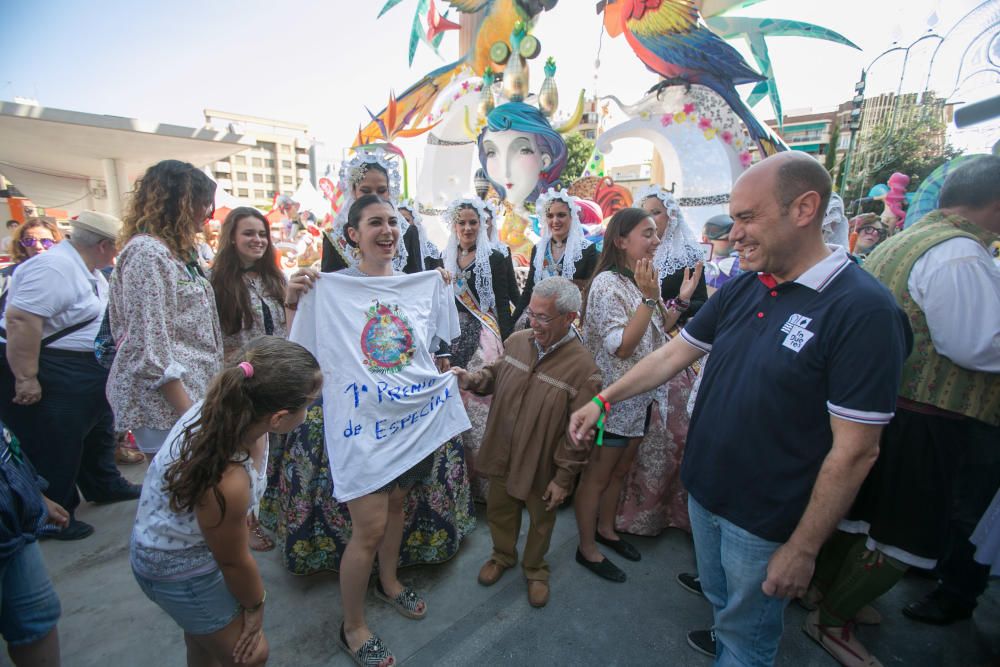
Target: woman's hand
691 279
443 364
647 279
250 636
299 284
445 275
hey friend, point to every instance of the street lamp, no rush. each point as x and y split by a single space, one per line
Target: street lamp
857 103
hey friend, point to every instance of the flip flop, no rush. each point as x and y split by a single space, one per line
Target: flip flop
405 603
373 653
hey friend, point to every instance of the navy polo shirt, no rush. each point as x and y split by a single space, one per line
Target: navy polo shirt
784 359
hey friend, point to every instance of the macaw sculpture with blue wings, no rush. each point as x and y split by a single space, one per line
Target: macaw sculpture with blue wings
670 40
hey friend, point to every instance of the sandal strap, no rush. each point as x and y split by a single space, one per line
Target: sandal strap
408 598
373 652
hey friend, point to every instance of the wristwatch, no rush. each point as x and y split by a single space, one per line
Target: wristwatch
651 303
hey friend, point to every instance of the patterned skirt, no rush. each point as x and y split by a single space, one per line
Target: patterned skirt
653 498
475 348
312 529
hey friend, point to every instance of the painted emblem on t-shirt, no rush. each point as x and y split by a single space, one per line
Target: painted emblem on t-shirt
798 333
387 339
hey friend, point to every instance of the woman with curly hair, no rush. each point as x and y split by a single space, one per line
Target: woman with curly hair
251 295
162 310
189 543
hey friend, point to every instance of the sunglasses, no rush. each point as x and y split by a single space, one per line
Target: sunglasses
871 229
29 242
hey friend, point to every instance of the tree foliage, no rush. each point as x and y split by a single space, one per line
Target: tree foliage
579 149
914 146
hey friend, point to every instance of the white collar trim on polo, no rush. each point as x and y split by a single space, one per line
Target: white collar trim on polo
822 273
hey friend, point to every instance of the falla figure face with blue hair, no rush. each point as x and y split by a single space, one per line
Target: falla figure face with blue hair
520 152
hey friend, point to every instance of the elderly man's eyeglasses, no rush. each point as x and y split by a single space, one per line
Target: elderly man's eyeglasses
872 229
30 242
541 319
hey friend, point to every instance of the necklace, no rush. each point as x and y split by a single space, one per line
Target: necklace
558 244
465 253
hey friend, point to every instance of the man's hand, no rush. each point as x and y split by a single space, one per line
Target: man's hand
463 377
27 391
582 422
554 496
58 516
789 572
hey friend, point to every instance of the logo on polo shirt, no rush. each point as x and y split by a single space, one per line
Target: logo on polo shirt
797 328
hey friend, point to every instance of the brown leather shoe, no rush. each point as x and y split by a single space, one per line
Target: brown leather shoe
491 572
538 593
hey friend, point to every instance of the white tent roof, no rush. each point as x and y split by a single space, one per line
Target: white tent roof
58 158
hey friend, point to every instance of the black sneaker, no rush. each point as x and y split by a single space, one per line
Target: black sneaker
702 641
691 583
76 530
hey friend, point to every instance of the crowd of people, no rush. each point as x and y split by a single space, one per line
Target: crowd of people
653 379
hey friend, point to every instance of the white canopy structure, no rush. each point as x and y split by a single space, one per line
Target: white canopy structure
75 160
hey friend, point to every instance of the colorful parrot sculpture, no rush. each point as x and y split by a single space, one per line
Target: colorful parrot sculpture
670 39
499 17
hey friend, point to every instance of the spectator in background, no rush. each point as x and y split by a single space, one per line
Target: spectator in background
30 239
162 309
30 605
867 232
11 228
51 384
725 262
289 216
945 432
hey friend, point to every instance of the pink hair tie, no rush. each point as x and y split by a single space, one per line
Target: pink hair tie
246 368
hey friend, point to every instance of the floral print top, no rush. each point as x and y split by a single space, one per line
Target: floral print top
166 327
232 344
611 303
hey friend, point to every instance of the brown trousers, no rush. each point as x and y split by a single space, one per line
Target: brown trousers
503 513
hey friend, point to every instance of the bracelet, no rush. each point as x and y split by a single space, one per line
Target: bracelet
292 306
605 408
257 606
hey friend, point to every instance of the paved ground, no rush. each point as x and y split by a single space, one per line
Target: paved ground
108 622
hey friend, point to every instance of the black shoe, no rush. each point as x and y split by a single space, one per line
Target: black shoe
938 608
691 583
118 493
621 547
604 569
76 530
702 641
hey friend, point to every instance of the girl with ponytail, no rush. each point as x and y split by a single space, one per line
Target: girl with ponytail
190 549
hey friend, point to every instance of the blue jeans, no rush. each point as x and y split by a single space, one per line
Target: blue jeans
29 606
732 565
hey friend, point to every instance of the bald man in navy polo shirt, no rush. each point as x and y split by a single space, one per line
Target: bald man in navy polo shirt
787 424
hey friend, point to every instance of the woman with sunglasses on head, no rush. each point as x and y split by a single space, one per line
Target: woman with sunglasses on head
162 309
32 238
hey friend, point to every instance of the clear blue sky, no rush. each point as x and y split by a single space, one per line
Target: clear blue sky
321 62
